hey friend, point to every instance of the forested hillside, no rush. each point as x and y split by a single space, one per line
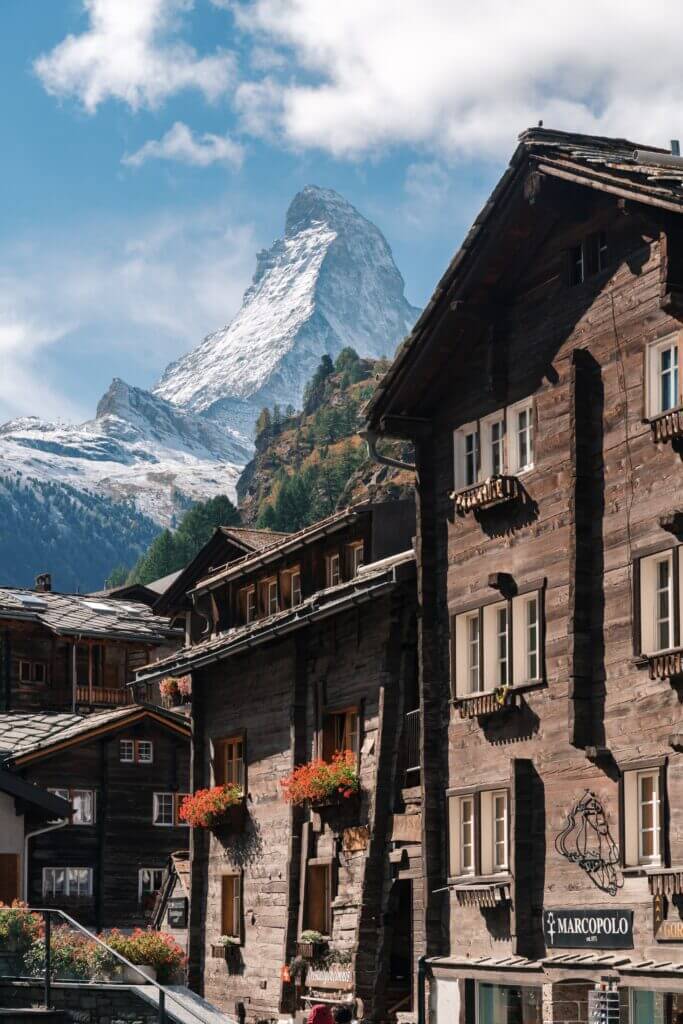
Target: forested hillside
77 536
310 463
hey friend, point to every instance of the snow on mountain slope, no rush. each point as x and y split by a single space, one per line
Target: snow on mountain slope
330 282
137 447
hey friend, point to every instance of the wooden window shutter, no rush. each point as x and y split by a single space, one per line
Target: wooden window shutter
319 897
9 878
664 851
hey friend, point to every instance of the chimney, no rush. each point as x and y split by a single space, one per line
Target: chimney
675 147
44 583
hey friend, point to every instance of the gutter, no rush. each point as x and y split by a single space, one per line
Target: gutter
371 438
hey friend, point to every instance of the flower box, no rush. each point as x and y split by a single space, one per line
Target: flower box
310 950
323 783
221 809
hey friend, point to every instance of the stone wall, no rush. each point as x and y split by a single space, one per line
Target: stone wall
82 1004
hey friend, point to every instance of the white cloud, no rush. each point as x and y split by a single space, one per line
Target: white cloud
463 79
131 51
179 143
114 297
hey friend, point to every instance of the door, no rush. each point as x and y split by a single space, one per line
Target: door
9 877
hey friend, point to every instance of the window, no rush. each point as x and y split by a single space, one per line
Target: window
478 833
247 603
656 1007
507 445
663 377
658 582
32 671
136 751
508 1004
228 762
642 800
340 732
318 901
588 258
521 432
71 882
150 881
65 794
82 804
332 570
231 906
493 445
354 558
271 597
165 809
291 587
497 645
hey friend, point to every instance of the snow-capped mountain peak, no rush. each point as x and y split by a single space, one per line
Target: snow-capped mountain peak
330 281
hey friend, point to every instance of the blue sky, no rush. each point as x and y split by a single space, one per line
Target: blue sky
150 147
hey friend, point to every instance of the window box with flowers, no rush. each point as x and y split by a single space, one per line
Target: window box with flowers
227 948
175 690
324 783
219 808
311 945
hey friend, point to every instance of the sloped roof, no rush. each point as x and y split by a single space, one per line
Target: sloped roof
373 581
23 734
248 537
288 542
618 167
85 615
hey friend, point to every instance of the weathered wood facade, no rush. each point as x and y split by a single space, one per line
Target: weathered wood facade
549 615
104 866
338 642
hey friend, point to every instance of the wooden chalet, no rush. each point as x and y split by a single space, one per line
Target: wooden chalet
542 388
75 651
121 775
300 651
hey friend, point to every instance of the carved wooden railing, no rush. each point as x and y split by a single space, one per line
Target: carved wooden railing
668 882
496 490
666 665
484 703
482 895
669 426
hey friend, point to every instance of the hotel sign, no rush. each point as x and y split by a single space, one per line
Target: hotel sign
588 929
666 929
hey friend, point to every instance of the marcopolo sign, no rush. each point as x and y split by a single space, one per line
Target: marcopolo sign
588 929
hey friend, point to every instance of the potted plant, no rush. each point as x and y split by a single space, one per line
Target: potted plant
322 783
155 955
227 948
19 929
184 684
217 808
311 944
170 694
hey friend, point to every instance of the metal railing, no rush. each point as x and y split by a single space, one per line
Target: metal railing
411 739
47 980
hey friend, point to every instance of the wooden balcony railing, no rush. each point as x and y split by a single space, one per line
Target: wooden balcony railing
106 696
669 426
666 665
494 491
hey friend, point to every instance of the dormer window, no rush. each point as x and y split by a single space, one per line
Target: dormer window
247 604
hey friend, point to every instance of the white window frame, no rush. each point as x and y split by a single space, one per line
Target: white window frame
176 801
295 590
49 889
518 654
500 866
249 603
127 746
648 597
486 427
460 455
654 404
332 569
515 465
356 554
472 821
655 858
75 814
142 892
139 745
272 603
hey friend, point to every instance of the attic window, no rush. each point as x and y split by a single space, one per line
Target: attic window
98 606
588 258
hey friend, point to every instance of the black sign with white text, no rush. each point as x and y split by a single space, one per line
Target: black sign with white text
588 929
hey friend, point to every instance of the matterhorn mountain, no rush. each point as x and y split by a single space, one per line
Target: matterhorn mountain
330 282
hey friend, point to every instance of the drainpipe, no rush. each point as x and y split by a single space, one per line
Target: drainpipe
371 437
421 988
30 835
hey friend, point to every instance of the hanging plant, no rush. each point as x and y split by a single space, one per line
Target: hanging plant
321 781
209 808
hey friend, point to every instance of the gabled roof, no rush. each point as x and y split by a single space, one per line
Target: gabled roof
289 542
231 541
85 615
373 581
27 737
617 167
38 798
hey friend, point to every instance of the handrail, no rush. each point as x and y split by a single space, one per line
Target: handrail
163 991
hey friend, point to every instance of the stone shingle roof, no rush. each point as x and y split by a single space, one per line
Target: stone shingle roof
85 615
257 540
27 733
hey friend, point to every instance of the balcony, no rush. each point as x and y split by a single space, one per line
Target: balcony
97 696
496 490
669 426
667 665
